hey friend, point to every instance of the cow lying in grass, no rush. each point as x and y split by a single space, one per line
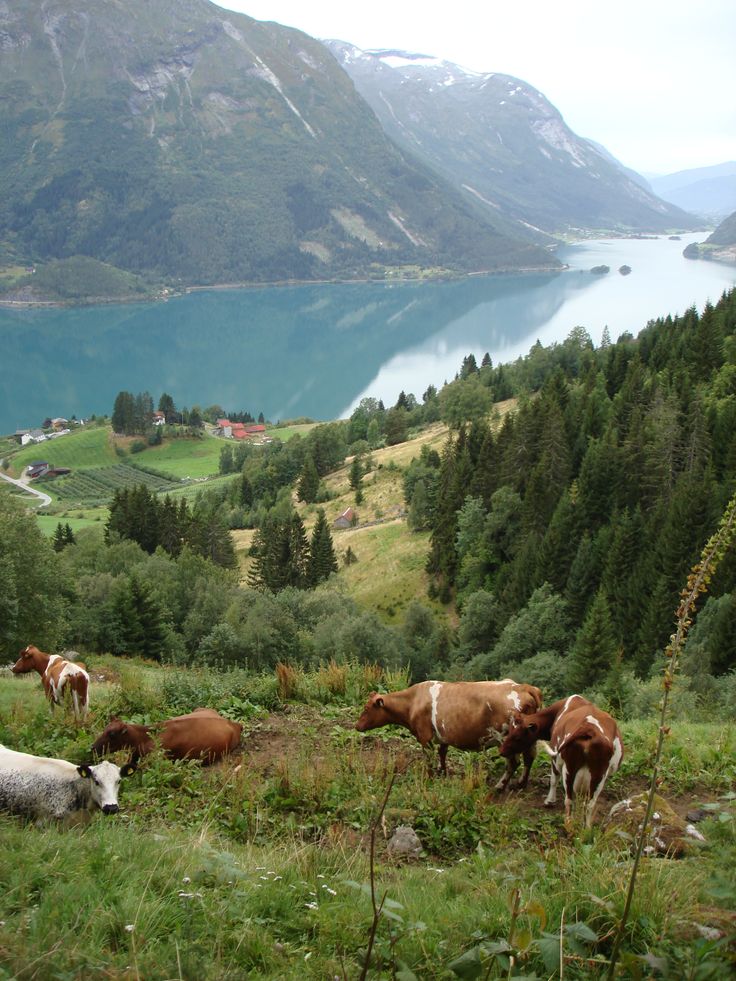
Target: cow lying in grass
37 786
464 714
58 676
201 735
584 743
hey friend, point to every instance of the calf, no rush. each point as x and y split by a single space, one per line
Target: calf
465 714
202 735
58 675
37 786
584 743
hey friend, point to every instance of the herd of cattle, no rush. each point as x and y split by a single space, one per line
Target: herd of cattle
583 741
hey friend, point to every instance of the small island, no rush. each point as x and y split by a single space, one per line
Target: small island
600 270
624 270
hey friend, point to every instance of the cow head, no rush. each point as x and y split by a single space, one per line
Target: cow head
374 715
114 737
26 661
522 733
104 782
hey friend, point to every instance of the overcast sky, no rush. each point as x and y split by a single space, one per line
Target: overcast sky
654 81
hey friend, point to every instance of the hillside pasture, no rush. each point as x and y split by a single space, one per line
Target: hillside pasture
82 449
184 457
260 866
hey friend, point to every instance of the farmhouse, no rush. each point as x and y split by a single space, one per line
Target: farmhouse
347 519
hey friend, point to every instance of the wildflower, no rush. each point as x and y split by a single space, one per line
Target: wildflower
129 927
186 880
330 891
311 905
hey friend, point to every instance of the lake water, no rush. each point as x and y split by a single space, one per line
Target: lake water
317 350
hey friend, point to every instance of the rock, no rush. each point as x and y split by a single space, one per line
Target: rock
697 814
668 834
405 843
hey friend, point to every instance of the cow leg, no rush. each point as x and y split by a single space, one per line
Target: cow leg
568 782
529 756
443 759
597 784
554 774
512 763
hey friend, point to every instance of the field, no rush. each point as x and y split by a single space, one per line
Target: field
260 866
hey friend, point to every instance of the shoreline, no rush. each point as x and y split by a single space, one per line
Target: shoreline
168 293
171 294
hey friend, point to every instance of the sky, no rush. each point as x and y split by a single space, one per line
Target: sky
654 81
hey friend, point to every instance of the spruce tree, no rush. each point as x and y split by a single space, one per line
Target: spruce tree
58 540
308 484
593 654
322 558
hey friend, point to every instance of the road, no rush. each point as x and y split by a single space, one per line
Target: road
45 499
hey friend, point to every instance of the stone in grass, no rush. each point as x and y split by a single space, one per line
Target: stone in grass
404 843
668 834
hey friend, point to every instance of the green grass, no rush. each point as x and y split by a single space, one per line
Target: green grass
259 867
184 457
92 517
83 449
285 433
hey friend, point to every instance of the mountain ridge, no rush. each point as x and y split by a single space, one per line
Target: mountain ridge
194 145
501 141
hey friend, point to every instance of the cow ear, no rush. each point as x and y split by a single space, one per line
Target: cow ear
84 771
532 727
127 768
124 731
378 703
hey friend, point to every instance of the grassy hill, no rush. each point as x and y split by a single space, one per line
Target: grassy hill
260 866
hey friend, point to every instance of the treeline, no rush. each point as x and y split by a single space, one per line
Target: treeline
566 534
139 515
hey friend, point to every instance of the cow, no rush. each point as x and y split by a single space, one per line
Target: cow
41 787
58 675
584 743
202 735
465 714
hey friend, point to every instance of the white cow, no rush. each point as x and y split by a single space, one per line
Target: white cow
37 786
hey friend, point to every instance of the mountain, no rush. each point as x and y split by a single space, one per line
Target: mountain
719 246
500 141
708 191
188 144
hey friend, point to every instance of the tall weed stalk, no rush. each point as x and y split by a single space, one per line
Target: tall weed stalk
697 584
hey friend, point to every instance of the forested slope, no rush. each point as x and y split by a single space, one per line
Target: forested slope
568 534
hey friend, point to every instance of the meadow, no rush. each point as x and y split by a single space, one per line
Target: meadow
261 865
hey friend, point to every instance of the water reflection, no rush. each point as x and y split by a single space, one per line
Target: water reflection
316 350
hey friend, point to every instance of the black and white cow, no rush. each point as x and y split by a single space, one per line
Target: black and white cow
37 786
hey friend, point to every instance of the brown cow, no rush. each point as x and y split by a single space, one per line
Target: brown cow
202 735
584 743
465 714
58 675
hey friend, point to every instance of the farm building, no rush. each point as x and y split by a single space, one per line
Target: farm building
347 519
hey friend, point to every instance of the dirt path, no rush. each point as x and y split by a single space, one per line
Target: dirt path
283 736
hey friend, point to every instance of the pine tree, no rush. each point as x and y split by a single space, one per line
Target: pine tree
308 485
356 472
58 541
594 652
322 558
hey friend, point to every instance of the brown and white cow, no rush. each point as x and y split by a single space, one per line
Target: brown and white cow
584 743
470 715
58 675
201 735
